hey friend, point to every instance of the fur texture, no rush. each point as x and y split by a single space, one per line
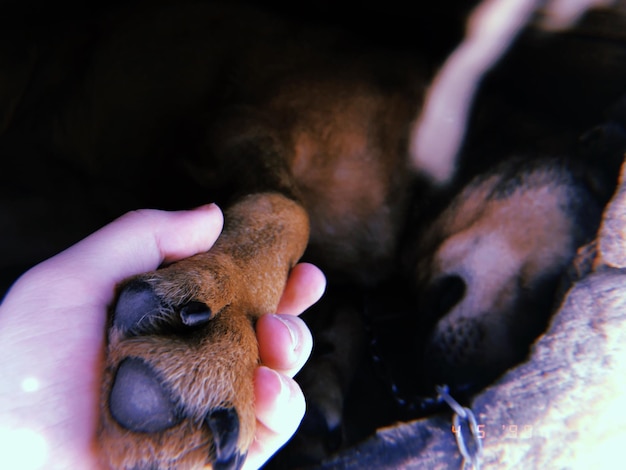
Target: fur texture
302 135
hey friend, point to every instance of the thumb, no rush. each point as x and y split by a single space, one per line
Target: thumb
137 242
53 318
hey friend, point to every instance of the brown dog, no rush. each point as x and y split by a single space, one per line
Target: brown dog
302 137
153 101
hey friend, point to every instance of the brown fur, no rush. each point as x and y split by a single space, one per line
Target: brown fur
301 135
240 279
504 240
306 133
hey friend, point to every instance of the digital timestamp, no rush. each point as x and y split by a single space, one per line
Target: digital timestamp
505 431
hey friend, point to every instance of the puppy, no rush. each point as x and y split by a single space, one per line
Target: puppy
517 417
487 268
302 136
299 134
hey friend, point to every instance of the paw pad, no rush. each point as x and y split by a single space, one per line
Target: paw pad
138 400
178 379
136 307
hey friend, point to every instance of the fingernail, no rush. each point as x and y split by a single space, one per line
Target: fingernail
289 406
283 393
206 207
293 332
285 389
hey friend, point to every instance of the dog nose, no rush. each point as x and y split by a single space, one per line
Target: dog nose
138 400
442 295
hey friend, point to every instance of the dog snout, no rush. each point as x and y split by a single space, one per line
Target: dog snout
454 354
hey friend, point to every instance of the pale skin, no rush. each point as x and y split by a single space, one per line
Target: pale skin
52 333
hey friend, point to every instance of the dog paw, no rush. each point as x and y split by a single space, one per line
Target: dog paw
178 387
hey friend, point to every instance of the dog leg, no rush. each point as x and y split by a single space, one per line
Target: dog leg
178 389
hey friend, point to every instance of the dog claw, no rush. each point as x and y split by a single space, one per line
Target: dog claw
195 313
138 401
137 305
224 424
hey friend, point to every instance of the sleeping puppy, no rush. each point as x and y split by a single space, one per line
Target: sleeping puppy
302 136
483 271
487 268
576 357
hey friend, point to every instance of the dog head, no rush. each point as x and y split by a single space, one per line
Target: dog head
488 267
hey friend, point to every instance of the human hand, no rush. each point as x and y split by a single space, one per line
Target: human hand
52 333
